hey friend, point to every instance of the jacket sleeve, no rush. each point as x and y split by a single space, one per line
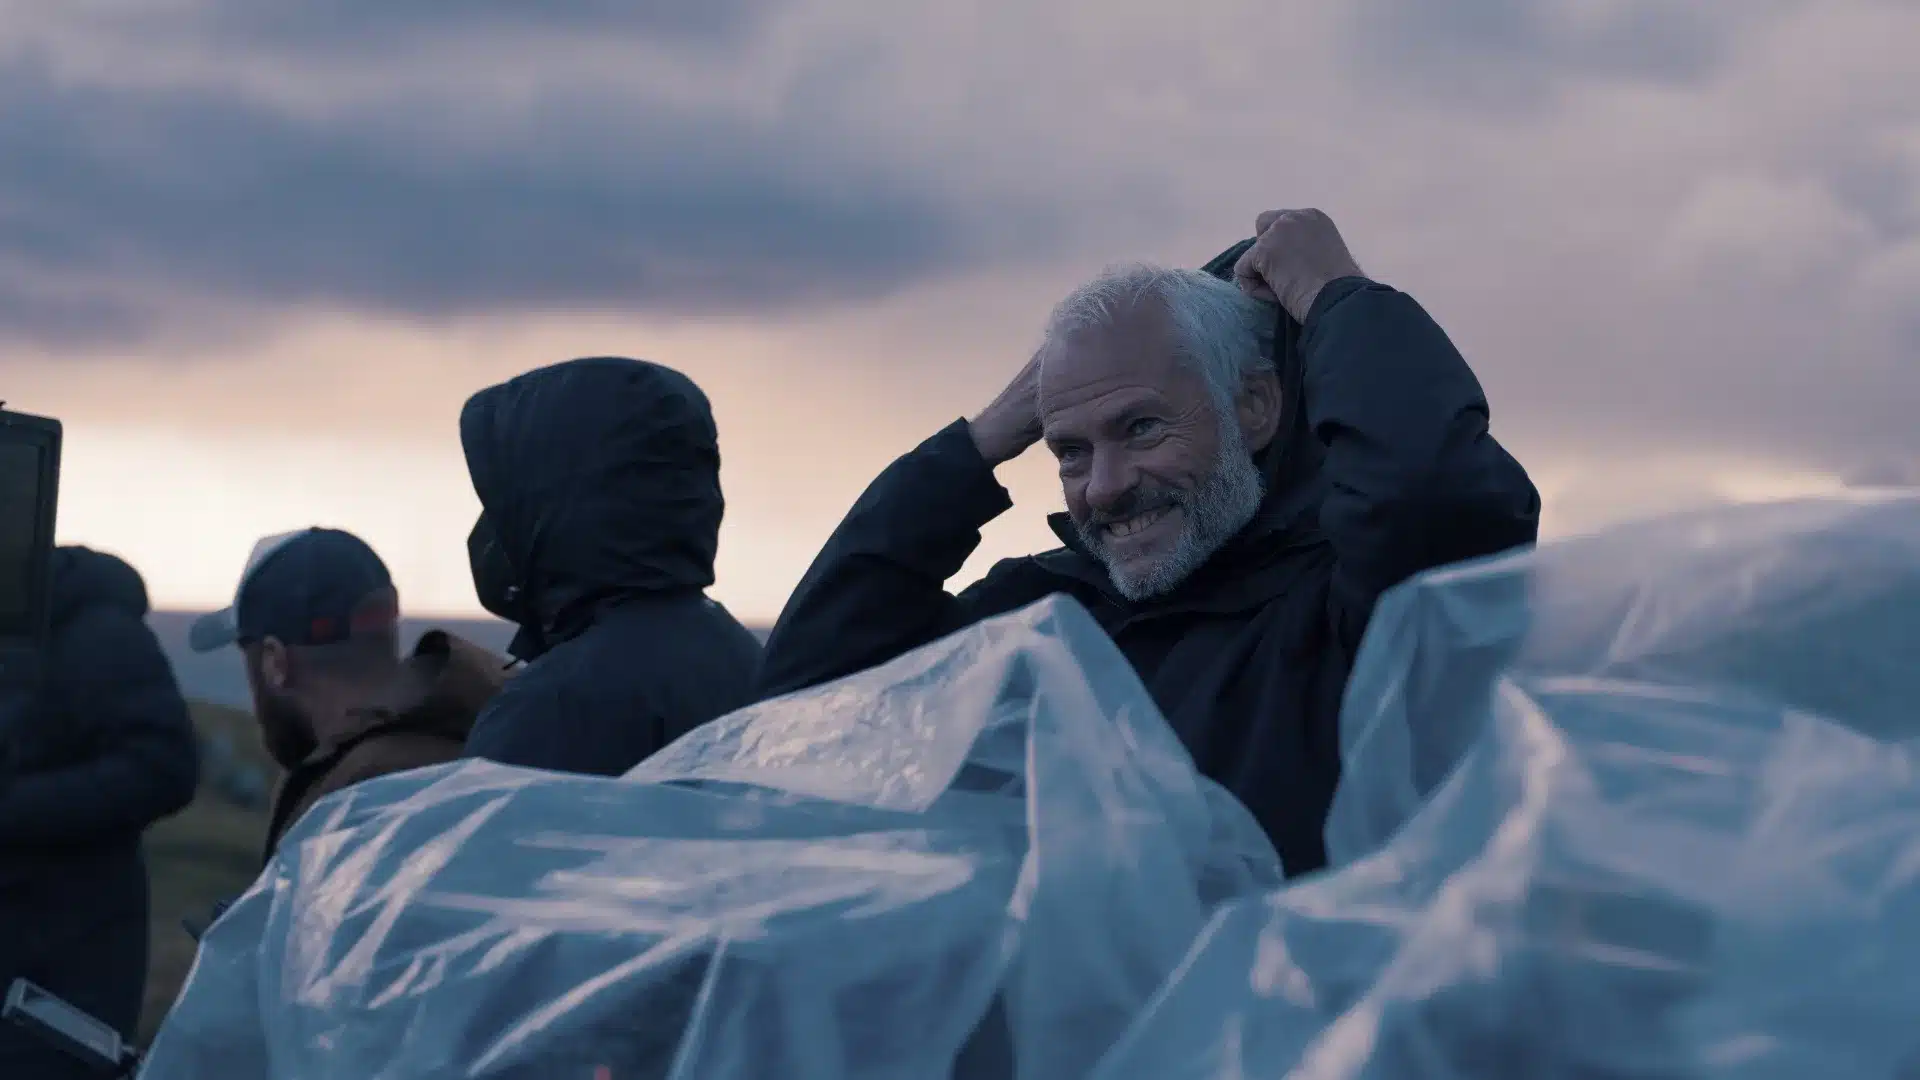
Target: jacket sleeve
878 588
1415 480
144 762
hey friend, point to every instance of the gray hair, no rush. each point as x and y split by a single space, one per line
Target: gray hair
1221 332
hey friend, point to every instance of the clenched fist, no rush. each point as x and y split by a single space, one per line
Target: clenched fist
1295 254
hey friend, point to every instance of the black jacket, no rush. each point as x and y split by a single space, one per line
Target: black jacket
601 477
1384 467
105 747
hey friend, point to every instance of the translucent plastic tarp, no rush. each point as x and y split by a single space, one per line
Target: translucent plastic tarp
980 860
1641 805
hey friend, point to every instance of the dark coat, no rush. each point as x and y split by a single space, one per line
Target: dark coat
1384 467
601 477
104 748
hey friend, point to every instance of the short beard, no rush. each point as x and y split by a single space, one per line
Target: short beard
285 729
1211 513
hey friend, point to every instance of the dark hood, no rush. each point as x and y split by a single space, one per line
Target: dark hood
601 479
1292 461
1290 514
83 578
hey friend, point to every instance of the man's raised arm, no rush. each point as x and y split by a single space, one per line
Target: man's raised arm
1415 479
878 588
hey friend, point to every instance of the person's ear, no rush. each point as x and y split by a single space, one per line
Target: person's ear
1258 409
276 669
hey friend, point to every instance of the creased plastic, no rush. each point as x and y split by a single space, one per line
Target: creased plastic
1640 805
980 860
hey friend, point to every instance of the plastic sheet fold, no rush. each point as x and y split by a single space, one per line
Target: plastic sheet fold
1641 805
979 860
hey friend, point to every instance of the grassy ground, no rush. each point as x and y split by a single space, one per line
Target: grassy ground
210 851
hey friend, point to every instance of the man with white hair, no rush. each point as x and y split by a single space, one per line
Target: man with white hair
1241 486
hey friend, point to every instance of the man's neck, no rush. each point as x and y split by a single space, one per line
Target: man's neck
333 720
344 709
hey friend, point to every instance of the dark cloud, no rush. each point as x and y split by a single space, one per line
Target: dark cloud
1876 184
381 26
386 29
30 310
1510 54
1885 473
133 199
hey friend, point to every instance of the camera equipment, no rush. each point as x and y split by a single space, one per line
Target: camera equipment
59 1023
29 497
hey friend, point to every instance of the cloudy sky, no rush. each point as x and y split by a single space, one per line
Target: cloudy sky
257 254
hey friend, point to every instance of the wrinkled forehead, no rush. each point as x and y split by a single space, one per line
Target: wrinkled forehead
1132 354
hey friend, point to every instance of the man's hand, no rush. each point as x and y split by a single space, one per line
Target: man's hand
1011 423
1295 254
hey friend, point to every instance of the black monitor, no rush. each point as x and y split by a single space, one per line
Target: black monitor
29 496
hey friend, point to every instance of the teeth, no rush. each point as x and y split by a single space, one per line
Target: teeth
1135 524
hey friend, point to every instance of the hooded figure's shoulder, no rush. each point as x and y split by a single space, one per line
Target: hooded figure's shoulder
98 617
85 579
101 646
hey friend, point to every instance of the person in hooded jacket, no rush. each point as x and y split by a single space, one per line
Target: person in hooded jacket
104 748
599 487
1241 486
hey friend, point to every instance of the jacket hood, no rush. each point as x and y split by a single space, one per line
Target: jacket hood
1292 461
83 578
601 478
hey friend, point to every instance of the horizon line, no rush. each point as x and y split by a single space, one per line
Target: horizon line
421 616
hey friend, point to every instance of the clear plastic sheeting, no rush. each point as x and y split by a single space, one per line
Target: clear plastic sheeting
978 861
1643 805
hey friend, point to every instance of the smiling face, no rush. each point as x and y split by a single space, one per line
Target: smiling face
1155 477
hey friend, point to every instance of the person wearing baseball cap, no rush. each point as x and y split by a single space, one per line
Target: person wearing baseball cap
317 619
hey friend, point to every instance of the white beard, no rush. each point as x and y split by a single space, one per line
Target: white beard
1210 514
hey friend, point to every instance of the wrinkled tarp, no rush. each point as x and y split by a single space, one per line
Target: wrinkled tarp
992 847
1639 805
